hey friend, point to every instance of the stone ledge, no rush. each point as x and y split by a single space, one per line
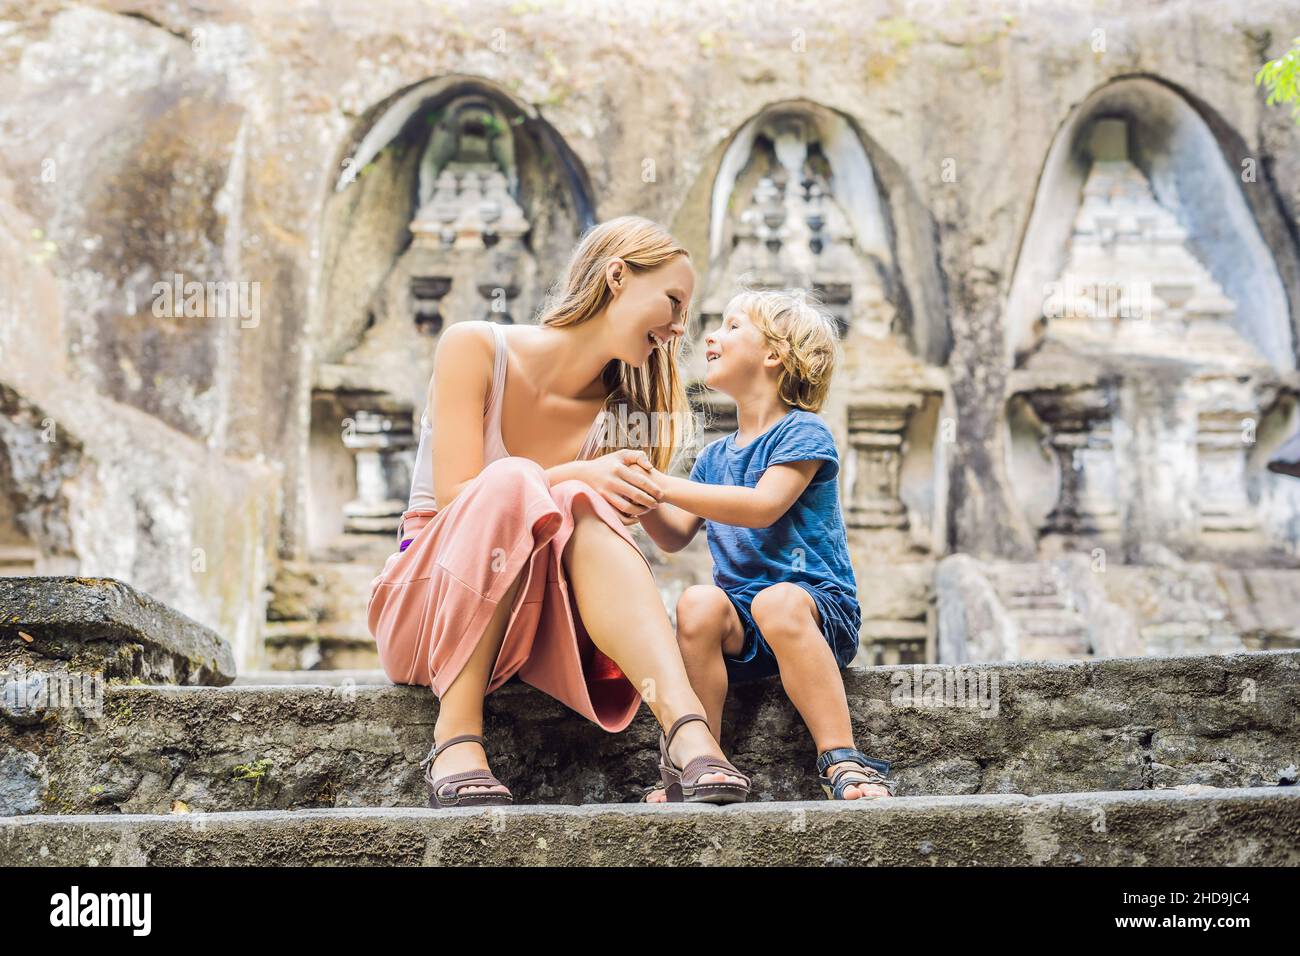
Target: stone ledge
1060 727
104 625
1195 827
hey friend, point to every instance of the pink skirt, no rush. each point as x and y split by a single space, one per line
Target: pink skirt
432 602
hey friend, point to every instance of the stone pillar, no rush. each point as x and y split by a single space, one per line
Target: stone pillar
498 297
377 438
427 293
876 428
434 225
837 298
1221 500
1079 423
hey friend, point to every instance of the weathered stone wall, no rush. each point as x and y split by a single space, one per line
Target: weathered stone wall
145 140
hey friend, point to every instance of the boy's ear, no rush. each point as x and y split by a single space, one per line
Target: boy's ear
771 359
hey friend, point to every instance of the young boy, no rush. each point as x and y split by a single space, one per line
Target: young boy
784 599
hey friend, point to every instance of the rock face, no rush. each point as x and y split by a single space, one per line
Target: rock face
230 235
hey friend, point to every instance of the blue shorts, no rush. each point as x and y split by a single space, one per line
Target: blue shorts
841 618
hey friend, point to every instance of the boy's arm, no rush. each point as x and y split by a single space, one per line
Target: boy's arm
669 527
757 507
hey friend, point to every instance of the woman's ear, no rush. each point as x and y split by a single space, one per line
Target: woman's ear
614 272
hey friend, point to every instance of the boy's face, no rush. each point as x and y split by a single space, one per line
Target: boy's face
736 354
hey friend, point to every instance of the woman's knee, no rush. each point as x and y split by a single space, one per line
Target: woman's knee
573 491
783 610
588 524
511 471
702 614
584 503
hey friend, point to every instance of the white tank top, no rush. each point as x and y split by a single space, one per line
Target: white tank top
493 448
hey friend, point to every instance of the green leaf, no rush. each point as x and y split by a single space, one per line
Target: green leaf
1282 79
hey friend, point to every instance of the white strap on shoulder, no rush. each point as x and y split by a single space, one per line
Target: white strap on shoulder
498 368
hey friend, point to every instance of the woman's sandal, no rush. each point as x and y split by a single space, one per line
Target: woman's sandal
683 783
873 773
446 791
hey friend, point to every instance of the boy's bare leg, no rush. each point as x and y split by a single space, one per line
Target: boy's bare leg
707 626
787 617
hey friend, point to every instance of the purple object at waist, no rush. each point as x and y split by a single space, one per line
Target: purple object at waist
405 543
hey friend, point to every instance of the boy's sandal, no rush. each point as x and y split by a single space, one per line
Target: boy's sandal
683 783
873 773
446 791
646 791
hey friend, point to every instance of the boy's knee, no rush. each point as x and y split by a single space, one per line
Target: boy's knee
782 610
702 613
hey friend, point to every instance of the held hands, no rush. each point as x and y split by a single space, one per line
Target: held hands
626 479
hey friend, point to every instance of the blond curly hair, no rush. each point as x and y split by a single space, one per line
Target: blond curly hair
804 336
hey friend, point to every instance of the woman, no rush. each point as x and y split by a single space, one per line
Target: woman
523 501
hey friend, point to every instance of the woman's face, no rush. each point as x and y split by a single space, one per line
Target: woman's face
649 307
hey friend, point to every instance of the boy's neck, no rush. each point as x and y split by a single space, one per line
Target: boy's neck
755 414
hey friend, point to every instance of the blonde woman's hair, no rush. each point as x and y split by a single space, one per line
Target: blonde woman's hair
801 333
656 389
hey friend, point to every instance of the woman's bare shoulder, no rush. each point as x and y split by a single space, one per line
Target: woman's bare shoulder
473 336
463 358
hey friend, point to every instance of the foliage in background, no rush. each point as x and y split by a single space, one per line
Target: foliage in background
1282 77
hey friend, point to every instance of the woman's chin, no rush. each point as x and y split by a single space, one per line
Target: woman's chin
639 359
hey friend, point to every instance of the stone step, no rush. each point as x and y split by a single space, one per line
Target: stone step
325 677
1050 648
18 559
311 645
105 627
316 616
1051 635
1170 607
1026 727
1192 826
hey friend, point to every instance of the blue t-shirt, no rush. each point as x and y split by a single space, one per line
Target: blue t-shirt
808 543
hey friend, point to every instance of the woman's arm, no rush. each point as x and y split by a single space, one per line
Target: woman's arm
566 471
462 370
756 507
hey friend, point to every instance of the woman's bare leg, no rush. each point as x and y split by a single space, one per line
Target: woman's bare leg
622 611
460 710
707 627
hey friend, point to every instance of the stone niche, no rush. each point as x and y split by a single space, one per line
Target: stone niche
796 202
1154 369
454 202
